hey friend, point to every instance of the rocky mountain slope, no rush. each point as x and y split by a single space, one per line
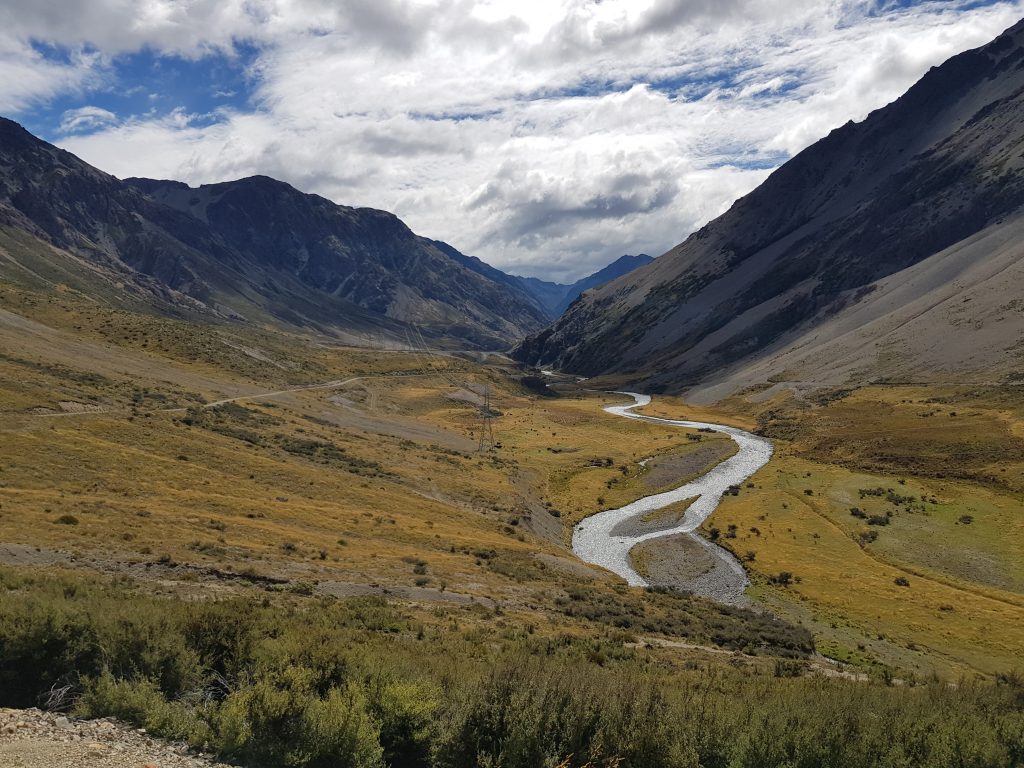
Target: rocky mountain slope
254 249
888 249
556 297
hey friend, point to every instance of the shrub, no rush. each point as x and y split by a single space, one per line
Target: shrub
66 520
282 720
141 702
866 537
405 712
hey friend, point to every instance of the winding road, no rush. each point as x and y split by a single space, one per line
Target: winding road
598 538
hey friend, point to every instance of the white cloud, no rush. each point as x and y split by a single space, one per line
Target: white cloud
86 119
538 134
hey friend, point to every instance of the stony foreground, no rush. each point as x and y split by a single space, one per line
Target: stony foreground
31 738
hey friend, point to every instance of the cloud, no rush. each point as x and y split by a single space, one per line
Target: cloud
86 119
545 136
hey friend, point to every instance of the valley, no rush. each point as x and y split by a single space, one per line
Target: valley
285 484
234 460
261 483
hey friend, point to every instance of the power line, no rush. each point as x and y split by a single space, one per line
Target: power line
487 442
486 414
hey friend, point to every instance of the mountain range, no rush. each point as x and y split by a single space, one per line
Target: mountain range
255 250
889 250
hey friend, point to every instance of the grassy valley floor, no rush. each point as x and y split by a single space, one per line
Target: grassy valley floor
898 515
293 552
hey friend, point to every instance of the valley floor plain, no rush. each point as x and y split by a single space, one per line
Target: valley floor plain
325 570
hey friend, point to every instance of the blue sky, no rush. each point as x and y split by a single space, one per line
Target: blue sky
146 84
547 137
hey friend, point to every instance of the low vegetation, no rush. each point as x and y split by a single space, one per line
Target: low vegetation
230 539
306 682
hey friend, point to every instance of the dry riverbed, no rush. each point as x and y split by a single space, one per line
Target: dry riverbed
609 538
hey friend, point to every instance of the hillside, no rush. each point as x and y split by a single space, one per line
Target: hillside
254 249
888 249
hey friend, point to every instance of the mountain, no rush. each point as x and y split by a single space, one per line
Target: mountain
254 249
512 283
555 298
889 249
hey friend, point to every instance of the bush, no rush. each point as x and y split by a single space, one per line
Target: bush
282 720
405 712
867 537
142 703
311 683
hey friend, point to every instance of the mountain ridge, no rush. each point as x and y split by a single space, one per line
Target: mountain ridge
557 297
254 249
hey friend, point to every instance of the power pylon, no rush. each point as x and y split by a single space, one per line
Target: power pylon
487 442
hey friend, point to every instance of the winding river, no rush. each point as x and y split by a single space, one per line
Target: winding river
601 540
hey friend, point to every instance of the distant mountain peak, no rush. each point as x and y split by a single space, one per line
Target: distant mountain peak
556 297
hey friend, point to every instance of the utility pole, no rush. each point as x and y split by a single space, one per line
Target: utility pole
487 442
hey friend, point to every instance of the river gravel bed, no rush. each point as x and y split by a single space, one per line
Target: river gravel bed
596 540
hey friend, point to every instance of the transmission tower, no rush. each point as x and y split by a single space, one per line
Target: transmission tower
487 442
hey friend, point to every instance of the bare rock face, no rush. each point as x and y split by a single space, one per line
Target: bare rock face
936 169
255 248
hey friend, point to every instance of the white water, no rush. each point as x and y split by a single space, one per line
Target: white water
593 540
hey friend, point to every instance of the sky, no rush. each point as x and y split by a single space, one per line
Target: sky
547 137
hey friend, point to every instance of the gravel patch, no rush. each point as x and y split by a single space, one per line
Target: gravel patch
688 562
31 738
665 470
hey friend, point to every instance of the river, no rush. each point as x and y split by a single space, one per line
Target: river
599 539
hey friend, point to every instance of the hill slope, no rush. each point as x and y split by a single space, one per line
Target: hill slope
931 184
254 249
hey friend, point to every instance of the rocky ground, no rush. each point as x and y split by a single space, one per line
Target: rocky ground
684 561
31 738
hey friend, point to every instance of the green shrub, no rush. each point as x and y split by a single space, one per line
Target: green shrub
312 683
405 712
142 703
282 720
